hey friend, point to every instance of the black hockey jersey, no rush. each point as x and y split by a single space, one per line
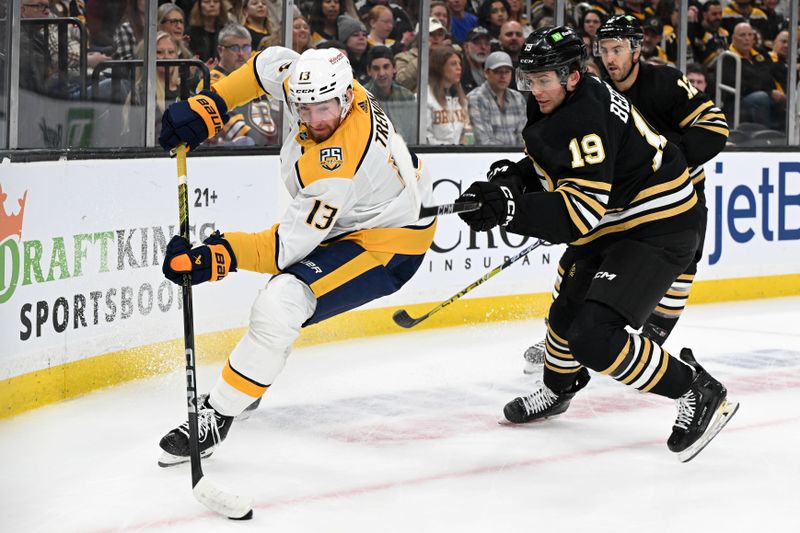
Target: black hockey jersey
682 114
604 170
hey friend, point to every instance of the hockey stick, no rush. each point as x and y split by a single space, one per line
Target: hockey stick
213 497
402 318
402 158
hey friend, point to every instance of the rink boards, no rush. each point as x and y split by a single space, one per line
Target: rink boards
83 303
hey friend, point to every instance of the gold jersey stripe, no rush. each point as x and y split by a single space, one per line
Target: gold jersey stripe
593 204
636 221
644 358
674 184
556 336
349 271
256 252
621 357
561 370
573 215
661 371
407 241
694 113
241 383
240 86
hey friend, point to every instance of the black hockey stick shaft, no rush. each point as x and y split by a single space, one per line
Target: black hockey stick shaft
448 209
188 323
403 319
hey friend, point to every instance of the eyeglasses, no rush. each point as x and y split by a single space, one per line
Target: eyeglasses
172 22
38 7
235 48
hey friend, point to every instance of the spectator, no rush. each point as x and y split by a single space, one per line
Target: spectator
775 21
36 70
407 63
543 10
492 14
323 20
590 23
171 19
447 105
760 97
476 50
713 39
380 22
744 11
301 34
257 21
167 88
517 14
129 33
397 101
235 46
651 44
780 59
439 12
638 9
354 36
461 22
511 40
697 75
497 113
205 20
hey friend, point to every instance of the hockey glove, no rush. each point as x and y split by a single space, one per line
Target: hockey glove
193 121
504 171
210 262
498 205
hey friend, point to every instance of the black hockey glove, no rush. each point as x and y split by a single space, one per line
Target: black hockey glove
503 172
193 121
210 262
498 205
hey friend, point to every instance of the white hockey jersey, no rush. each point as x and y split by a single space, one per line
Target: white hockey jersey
345 187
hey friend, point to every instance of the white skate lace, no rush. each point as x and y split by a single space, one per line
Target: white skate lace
205 421
686 405
540 400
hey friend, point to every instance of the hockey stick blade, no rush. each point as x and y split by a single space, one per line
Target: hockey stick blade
404 320
448 209
233 506
723 415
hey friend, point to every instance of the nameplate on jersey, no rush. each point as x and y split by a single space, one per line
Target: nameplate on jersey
330 158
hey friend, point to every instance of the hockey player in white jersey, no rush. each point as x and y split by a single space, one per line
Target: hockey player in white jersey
350 235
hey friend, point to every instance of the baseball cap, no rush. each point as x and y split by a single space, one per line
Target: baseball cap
497 60
653 24
434 25
477 32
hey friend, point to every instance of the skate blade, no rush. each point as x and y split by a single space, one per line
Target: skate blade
532 368
725 412
167 459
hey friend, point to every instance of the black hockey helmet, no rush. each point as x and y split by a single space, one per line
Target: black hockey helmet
559 49
620 27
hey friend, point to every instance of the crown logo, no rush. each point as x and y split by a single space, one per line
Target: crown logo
11 224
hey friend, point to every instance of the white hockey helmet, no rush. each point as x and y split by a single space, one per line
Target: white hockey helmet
321 75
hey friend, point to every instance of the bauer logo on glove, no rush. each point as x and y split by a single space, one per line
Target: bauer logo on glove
210 262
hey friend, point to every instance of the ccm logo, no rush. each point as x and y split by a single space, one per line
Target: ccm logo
605 275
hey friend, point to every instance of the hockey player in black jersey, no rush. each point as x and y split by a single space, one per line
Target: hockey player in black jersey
675 109
597 176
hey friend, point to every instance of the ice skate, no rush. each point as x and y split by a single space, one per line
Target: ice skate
702 412
212 428
244 415
544 403
534 358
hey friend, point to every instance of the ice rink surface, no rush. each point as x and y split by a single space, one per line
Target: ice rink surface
399 433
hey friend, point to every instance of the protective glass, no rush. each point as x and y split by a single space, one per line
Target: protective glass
318 112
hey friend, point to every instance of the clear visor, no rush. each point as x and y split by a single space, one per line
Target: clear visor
542 80
604 48
318 112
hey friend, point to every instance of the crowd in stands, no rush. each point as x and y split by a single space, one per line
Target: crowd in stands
474 49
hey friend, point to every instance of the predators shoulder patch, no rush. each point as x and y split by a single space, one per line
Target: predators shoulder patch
330 158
